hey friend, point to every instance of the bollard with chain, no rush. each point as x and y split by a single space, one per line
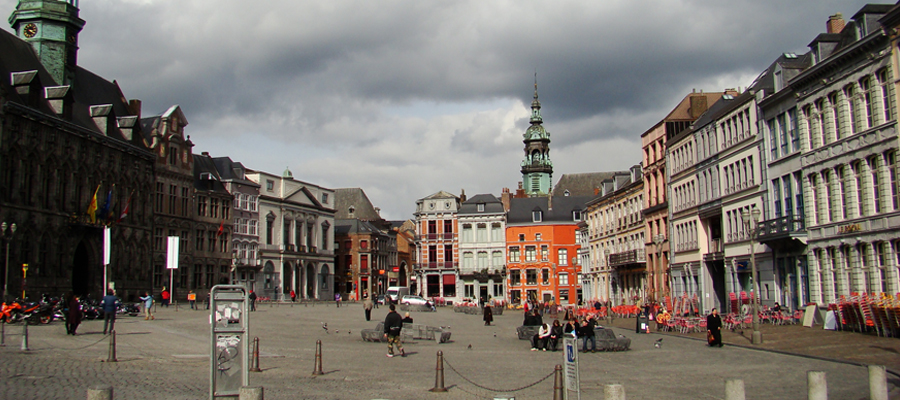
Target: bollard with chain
559 389
816 385
439 374
878 389
254 363
111 357
24 335
318 368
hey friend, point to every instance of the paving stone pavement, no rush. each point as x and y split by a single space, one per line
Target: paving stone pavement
168 358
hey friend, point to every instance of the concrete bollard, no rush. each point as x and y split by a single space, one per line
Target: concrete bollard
439 374
317 370
24 335
877 383
734 389
251 393
559 389
254 363
817 386
111 357
100 393
614 391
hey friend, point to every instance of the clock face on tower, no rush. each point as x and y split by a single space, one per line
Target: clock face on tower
30 30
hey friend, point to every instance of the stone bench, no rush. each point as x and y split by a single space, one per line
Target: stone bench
409 332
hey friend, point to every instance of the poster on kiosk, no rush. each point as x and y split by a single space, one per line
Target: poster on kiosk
229 347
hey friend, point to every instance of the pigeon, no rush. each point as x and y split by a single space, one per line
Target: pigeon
325 327
470 347
658 343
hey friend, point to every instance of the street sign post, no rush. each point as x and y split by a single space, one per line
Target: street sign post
229 347
570 345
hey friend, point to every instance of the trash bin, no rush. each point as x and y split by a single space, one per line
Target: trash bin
643 324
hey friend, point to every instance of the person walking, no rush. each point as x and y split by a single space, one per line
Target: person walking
148 305
293 296
337 299
488 315
252 298
109 311
165 295
192 298
367 306
393 323
587 332
714 327
73 316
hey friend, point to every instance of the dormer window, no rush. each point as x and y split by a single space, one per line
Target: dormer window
324 198
576 215
536 216
480 207
270 185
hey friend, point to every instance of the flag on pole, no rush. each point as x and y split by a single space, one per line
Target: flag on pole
105 210
127 208
92 208
221 229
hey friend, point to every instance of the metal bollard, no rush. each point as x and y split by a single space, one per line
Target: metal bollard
100 393
877 383
439 374
559 389
111 357
176 305
251 393
734 389
3 334
318 368
24 335
254 363
817 386
614 391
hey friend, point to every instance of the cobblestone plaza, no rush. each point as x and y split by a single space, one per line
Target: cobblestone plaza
168 358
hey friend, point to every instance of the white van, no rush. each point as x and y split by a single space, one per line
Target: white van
395 293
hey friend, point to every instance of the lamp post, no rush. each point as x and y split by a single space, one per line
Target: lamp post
751 219
7 236
658 241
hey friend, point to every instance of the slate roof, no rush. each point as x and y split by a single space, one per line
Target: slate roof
204 163
492 205
583 184
520 209
356 197
348 226
88 89
232 171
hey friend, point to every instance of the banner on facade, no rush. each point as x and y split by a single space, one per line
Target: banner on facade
172 253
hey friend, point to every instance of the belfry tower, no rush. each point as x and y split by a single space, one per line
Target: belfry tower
52 27
537 169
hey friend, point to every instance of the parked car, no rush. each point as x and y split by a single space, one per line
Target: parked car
414 300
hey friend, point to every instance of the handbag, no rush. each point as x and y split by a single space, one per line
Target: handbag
709 337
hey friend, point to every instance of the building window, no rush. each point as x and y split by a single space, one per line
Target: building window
890 158
536 216
324 198
874 165
537 237
514 254
576 215
860 200
270 185
521 237
530 253
531 276
515 279
563 256
563 279
885 81
448 253
480 207
545 276
467 236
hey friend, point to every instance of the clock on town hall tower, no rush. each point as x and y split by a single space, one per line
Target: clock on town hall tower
52 27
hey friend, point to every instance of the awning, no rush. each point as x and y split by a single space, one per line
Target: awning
449 279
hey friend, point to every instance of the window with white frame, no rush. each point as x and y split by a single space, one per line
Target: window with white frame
563 256
563 279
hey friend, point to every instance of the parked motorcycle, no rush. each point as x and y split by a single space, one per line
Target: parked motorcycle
12 313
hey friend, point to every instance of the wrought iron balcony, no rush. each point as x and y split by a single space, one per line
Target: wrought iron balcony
781 228
627 257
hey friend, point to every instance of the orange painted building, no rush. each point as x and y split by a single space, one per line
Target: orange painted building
542 249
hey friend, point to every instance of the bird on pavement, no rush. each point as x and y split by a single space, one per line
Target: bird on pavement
470 347
658 343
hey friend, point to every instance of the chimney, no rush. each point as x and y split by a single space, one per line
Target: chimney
699 106
596 191
835 23
104 118
134 108
60 100
504 198
462 196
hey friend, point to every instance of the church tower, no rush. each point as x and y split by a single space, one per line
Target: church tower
537 170
52 27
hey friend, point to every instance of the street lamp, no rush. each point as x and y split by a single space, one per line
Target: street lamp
7 236
751 219
658 241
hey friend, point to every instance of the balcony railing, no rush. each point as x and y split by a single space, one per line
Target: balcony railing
627 257
781 227
715 245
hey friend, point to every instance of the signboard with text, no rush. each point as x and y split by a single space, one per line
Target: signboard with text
570 368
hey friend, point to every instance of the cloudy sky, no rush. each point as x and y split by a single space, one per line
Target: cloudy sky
406 98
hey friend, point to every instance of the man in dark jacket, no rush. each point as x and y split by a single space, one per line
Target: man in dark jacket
587 334
109 311
393 323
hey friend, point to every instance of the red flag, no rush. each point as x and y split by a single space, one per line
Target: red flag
127 208
221 229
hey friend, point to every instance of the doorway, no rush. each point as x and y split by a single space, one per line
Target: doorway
81 271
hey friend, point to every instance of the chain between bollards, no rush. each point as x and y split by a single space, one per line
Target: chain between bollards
318 368
24 335
111 357
559 389
254 363
439 374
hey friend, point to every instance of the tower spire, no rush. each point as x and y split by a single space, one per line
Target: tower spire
537 169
